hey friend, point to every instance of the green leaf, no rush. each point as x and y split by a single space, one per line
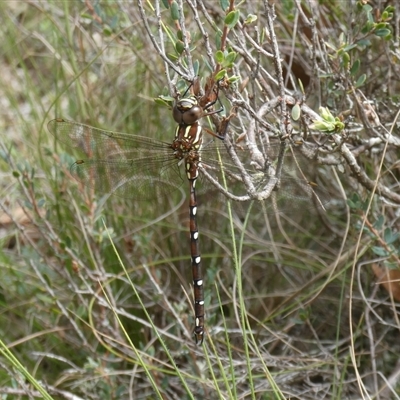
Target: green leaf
221 74
381 25
390 265
368 10
3 302
224 4
361 80
301 86
68 242
107 30
339 125
87 16
218 36
380 251
219 57
179 47
233 79
363 43
350 47
368 27
42 297
326 114
355 67
382 32
41 202
232 18
165 4
164 101
322 126
329 123
390 236
296 110
250 19
196 67
378 224
389 9
229 59
345 59
174 11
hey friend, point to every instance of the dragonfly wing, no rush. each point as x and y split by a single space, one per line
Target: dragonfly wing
127 178
130 166
103 144
291 194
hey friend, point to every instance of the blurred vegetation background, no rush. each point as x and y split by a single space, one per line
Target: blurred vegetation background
95 290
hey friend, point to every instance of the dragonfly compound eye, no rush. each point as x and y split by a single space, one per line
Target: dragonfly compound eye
187 111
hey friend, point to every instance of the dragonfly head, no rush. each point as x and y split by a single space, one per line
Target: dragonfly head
187 111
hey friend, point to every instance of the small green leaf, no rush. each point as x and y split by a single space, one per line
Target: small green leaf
361 80
355 67
363 43
16 174
86 15
179 47
322 126
107 30
382 32
389 9
174 11
179 34
224 4
345 59
380 251
229 59
342 39
41 202
44 298
3 301
114 22
221 74
196 67
328 123
250 19
390 236
162 102
68 242
381 25
218 36
232 18
354 200
296 110
233 79
326 114
165 4
350 47
378 224
390 265
368 10
339 125
219 57
301 86
368 27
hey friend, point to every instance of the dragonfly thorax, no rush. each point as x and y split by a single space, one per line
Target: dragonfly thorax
187 111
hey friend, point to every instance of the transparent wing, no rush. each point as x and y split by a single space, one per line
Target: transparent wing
128 165
293 192
137 167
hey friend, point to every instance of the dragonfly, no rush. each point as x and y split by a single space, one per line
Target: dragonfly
141 167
